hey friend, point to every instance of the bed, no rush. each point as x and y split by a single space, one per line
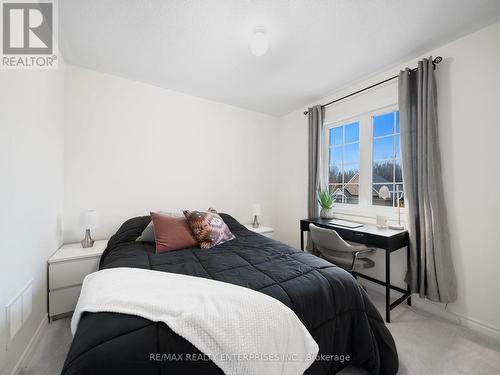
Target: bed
335 310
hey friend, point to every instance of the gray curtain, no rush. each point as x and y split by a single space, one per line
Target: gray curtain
316 115
431 272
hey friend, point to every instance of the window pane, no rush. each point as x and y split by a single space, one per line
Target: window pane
383 172
352 132
336 136
338 193
398 173
351 153
383 148
377 200
387 169
336 155
351 193
383 124
335 174
398 147
344 162
351 173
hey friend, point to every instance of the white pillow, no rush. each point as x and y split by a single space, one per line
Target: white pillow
148 234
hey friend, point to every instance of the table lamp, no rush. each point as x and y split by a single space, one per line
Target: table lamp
399 195
384 192
90 221
257 211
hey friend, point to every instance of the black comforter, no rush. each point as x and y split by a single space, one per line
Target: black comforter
328 301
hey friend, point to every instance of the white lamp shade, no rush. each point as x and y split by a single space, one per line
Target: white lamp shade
259 43
90 219
256 209
384 192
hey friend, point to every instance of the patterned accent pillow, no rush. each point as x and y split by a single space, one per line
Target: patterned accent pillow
208 228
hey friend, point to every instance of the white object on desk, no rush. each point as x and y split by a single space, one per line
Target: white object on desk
345 223
373 229
67 268
381 221
398 226
265 231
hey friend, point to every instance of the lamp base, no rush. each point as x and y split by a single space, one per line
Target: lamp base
255 223
87 241
396 227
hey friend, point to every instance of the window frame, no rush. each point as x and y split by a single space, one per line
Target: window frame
364 208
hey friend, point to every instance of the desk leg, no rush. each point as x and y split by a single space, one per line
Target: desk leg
302 240
387 286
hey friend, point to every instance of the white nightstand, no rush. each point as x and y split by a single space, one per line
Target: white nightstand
66 269
265 231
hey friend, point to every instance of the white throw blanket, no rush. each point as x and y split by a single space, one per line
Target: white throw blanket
241 330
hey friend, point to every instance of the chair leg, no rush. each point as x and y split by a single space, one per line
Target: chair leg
354 257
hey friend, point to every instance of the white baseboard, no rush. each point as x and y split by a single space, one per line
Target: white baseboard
481 328
439 309
31 345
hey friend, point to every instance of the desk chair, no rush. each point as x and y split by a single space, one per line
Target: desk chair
342 253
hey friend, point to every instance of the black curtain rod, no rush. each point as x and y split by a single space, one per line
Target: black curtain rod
436 61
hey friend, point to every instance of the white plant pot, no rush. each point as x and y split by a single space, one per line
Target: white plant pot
326 213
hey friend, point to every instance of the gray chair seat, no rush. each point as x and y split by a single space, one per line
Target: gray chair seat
340 252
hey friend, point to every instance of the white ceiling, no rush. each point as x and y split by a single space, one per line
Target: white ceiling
201 47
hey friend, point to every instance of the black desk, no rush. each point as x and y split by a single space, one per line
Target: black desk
385 239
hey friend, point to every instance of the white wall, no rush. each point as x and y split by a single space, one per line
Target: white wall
468 96
31 192
132 147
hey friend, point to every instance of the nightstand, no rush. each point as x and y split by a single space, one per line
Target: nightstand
66 269
265 231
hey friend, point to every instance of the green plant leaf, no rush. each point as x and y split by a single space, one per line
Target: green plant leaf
326 198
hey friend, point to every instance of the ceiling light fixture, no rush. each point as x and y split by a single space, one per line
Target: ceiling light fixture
259 43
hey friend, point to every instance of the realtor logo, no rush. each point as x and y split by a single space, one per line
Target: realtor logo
28 31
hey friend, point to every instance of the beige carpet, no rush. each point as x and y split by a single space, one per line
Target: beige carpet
427 345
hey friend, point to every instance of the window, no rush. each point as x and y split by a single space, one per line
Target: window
364 158
344 163
386 160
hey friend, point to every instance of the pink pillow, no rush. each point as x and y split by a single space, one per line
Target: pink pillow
208 228
172 233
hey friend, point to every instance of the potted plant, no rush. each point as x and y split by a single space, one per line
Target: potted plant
326 199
